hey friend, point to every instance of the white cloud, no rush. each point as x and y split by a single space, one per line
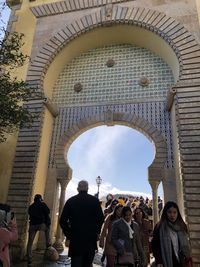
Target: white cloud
103 146
105 189
96 152
99 146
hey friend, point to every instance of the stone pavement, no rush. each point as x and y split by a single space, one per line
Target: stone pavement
64 261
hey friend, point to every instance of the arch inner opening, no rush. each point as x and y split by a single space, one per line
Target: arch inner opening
120 155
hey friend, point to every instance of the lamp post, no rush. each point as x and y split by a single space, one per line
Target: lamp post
98 181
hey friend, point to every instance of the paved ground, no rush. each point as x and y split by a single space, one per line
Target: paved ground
64 261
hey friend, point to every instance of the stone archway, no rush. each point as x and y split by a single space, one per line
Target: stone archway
156 171
185 108
173 33
110 118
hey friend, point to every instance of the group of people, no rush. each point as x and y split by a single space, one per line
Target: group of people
133 202
139 219
123 232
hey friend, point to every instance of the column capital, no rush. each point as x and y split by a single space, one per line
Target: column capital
65 173
154 184
63 181
155 173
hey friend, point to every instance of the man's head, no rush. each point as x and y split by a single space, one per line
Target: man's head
37 197
82 186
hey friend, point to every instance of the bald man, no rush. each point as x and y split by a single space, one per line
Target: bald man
81 222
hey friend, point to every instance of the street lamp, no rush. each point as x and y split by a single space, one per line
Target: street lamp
98 181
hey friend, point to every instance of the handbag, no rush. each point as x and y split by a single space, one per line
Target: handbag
188 263
126 258
185 262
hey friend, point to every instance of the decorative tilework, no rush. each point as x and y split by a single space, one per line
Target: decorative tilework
116 84
114 89
153 112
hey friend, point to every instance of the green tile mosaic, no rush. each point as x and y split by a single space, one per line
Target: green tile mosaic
118 83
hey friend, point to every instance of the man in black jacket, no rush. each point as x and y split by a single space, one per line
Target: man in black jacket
39 221
81 222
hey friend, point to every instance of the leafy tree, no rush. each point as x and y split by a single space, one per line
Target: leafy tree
13 92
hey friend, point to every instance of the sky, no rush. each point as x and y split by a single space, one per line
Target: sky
4 16
120 155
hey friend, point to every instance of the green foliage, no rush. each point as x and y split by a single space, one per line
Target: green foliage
13 92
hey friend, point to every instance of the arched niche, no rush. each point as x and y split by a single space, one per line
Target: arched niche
117 34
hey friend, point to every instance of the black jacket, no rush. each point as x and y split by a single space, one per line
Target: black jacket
39 213
81 222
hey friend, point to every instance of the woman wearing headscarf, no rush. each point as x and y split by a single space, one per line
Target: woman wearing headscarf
126 240
170 243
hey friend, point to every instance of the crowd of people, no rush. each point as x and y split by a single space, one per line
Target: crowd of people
125 232
123 229
132 201
141 222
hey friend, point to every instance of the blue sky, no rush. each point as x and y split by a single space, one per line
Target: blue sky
4 16
119 154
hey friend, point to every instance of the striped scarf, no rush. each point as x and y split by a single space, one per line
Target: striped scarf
166 243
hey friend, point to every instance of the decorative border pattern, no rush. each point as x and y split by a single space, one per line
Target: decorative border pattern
70 6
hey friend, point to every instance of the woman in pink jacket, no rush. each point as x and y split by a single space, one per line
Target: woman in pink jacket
8 233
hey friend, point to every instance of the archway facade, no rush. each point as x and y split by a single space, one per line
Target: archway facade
102 24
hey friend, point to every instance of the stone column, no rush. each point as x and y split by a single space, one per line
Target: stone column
59 236
154 187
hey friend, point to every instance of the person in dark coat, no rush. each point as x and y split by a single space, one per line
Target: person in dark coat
81 222
170 243
125 238
39 220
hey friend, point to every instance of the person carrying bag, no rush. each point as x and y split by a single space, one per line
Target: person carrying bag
125 238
